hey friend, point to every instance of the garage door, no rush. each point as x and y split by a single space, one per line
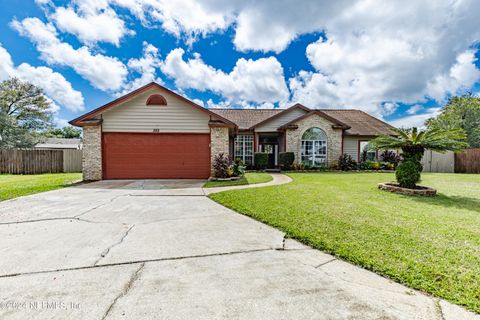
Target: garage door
156 156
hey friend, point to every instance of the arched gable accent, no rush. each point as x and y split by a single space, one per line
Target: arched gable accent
156 100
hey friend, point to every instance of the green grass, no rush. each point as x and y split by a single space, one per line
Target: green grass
12 186
250 178
430 244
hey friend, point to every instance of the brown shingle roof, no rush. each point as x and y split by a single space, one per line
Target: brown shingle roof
246 118
361 123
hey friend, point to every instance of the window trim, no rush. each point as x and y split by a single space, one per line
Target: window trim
314 155
360 151
244 142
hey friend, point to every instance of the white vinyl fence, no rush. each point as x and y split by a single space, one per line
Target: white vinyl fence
438 162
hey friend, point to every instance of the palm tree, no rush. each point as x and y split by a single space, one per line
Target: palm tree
413 143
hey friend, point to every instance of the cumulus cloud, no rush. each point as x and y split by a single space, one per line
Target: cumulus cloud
250 80
416 120
146 67
371 55
181 17
103 72
55 86
91 22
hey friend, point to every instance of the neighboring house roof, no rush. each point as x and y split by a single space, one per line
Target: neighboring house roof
88 118
59 143
359 122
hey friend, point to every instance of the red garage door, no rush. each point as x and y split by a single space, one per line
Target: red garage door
156 156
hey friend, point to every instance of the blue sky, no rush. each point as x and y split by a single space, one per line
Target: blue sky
396 61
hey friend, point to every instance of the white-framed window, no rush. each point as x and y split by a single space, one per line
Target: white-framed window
314 147
243 148
366 152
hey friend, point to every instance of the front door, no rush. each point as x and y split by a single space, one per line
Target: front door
271 150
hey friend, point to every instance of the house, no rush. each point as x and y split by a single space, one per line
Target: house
154 132
59 144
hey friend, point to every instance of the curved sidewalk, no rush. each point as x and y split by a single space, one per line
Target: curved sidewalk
278 179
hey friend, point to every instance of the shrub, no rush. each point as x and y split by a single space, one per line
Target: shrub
261 160
221 166
238 168
298 166
346 163
375 165
320 167
407 174
390 157
286 160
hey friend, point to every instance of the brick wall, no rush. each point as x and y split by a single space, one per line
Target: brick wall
92 153
218 142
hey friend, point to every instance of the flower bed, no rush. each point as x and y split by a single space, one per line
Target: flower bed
419 190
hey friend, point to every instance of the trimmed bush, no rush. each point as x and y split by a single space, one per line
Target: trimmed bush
221 166
286 160
261 160
407 174
346 163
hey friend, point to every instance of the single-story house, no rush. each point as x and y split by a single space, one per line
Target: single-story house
59 144
155 133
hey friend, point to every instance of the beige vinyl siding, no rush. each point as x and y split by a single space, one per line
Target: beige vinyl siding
135 116
272 125
350 146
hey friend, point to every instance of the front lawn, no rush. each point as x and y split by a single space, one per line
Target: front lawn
249 178
431 244
12 186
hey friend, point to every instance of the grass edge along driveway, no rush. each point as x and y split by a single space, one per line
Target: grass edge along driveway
249 178
13 186
430 244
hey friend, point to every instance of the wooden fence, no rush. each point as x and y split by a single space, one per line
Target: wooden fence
468 161
72 160
40 161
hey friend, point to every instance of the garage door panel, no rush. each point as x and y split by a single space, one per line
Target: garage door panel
156 156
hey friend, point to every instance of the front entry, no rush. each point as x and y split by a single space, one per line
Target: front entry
269 145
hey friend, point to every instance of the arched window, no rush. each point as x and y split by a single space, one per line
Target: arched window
156 100
314 147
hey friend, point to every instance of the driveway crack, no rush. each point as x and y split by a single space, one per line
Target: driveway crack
326 262
106 251
439 309
125 290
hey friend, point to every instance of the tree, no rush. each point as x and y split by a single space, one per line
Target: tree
68 132
24 113
460 112
413 143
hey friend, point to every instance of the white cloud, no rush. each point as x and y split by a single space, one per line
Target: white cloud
180 17
91 22
145 66
103 72
461 76
372 56
250 80
417 120
55 86
414 109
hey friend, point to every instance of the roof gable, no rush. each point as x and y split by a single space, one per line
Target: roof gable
281 113
335 122
86 118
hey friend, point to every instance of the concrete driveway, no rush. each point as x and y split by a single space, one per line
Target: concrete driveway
162 250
